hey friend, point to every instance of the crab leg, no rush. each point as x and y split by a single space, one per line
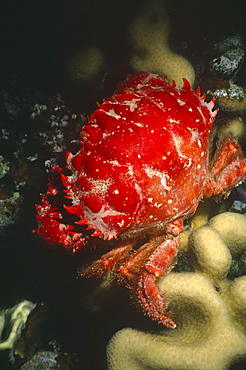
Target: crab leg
159 255
153 259
228 168
148 294
108 263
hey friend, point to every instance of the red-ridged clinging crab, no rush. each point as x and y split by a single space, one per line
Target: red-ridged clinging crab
143 167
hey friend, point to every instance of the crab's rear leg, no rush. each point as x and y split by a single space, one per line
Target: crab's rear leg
160 262
228 168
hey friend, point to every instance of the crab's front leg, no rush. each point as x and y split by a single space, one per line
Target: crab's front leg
228 168
160 262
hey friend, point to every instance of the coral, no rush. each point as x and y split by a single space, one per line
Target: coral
42 360
13 321
9 201
84 65
209 254
149 34
233 104
47 360
209 309
235 126
206 338
228 57
231 92
4 167
232 228
9 208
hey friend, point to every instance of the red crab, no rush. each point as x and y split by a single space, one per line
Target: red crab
143 166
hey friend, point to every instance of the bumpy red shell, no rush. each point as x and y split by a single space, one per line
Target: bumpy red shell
144 161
